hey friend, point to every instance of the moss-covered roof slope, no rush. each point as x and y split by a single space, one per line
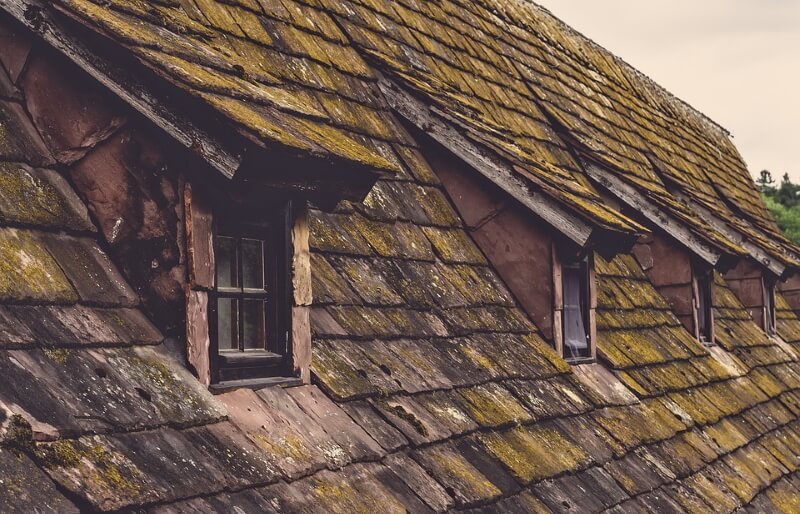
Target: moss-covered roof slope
282 72
432 390
506 74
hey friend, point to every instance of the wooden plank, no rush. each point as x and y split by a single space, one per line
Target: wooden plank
487 164
198 341
199 238
301 257
658 216
734 235
37 17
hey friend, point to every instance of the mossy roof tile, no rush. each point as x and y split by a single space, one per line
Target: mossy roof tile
423 364
235 57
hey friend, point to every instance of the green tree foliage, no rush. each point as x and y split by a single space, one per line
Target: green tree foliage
783 201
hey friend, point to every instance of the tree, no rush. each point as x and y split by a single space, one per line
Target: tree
788 194
783 201
765 182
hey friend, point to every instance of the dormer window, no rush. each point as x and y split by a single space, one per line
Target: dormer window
247 313
577 341
703 307
770 319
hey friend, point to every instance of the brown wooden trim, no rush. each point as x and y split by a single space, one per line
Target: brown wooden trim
758 255
302 294
695 306
558 302
656 215
592 307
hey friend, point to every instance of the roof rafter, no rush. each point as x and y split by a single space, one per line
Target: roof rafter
656 215
734 235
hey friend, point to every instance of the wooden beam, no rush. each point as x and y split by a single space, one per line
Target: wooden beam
658 216
38 17
486 163
759 255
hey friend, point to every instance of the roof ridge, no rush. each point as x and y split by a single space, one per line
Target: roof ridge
676 100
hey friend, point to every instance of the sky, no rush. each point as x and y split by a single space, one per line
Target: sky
737 61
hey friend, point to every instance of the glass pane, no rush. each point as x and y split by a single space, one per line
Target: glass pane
227 262
576 343
255 333
227 324
252 264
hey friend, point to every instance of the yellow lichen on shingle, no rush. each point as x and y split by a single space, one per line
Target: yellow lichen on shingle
454 470
493 406
29 272
27 198
535 453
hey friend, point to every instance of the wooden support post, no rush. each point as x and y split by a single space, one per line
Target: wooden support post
302 294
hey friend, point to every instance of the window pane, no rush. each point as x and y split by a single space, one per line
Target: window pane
576 343
227 262
252 264
227 324
254 326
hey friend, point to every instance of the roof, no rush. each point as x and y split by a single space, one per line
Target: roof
432 389
281 71
508 75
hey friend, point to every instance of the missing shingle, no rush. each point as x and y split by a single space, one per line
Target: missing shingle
100 372
408 417
239 71
144 394
566 504
362 373
385 369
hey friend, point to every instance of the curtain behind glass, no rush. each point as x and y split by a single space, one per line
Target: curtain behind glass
575 342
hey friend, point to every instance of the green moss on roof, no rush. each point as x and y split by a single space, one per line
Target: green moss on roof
534 453
29 272
27 198
234 57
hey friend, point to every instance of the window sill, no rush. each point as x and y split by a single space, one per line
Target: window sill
249 358
580 360
254 384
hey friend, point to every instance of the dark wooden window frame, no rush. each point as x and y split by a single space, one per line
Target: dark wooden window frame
770 308
587 289
704 305
276 359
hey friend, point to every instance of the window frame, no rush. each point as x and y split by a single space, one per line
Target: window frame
275 360
770 308
587 303
704 287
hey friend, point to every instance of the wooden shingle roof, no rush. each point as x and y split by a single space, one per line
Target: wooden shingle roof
282 72
432 390
506 74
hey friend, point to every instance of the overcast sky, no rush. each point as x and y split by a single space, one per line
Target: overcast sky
738 61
